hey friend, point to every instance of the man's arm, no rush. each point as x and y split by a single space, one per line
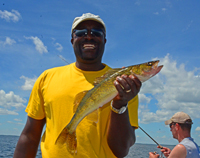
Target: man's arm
179 151
121 135
29 139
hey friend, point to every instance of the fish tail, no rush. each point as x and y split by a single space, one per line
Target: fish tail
69 139
72 143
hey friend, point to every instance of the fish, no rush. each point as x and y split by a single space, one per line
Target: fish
87 103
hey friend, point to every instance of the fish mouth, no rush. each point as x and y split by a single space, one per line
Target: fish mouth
155 68
156 65
158 68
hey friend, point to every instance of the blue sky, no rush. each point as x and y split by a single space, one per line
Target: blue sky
35 36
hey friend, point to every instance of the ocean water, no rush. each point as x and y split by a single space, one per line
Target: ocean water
142 150
8 143
7 146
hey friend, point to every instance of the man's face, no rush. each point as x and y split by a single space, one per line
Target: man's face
173 130
88 48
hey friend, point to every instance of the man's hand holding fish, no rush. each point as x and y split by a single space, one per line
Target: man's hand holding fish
127 87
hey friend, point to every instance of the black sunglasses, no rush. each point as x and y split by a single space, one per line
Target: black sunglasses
173 123
84 32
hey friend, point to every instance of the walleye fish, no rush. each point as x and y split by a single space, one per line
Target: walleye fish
103 92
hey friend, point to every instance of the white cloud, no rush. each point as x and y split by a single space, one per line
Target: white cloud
17 123
156 13
144 99
7 112
188 26
18 120
59 47
197 129
29 82
14 15
10 100
39 45
174 89
137 3
9 41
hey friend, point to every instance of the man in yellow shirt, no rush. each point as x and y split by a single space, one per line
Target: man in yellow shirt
52 97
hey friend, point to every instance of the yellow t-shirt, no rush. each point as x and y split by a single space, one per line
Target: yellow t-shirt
53 96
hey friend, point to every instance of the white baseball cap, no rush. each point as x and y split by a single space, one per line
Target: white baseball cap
179 117
87 16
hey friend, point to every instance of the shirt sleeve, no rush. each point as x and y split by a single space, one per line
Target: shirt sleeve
133 111
35 107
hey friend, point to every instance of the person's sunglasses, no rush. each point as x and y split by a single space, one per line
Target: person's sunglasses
170 125
84 32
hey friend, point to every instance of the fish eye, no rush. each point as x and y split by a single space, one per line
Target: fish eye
149 63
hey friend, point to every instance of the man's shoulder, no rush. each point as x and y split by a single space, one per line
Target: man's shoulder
54 71
179 147
178 151
59 68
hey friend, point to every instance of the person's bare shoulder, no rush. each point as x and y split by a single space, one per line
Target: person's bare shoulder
179 151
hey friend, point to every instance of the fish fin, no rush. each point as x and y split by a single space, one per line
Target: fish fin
106 75
94 116
69 139
78 99
62 137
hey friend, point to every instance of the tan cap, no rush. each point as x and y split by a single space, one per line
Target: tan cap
87 16
180 117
